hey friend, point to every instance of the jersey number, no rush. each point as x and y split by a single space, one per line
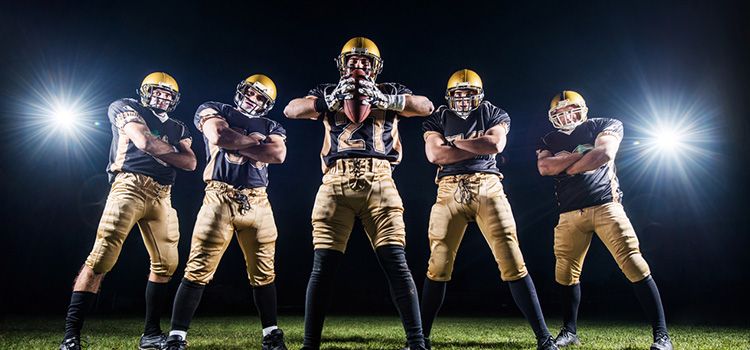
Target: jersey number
345 138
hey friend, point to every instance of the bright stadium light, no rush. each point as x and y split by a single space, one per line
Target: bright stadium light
669 140
56 112
672 138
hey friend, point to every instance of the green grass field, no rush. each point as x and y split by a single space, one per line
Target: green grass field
367 333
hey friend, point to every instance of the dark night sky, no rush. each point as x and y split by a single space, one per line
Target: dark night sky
692 229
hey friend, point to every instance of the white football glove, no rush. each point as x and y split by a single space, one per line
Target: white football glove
377 98
343 91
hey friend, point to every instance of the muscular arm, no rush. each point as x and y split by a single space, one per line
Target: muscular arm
440 154
218 133
605 149
272 151
492 142
183 158
550 165
301 108
417 106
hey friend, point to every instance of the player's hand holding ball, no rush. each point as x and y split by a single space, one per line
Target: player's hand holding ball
343 91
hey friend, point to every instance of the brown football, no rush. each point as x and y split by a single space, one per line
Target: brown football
355 109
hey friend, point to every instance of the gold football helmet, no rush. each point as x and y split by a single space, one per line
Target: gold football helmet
260 85
162 81
364 47
562 116
464 79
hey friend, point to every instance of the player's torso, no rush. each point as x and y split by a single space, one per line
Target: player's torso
126 157
475 125
228 166
591 188
376 137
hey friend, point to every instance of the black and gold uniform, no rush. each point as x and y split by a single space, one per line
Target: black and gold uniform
140 194
471 190
591 203
235 204
357 162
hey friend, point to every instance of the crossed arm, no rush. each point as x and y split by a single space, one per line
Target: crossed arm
492 142
182 158
605 150
304 107
272 151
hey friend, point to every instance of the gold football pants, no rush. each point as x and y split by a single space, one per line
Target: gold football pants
137 199
473 197
358 188
573 238
227 211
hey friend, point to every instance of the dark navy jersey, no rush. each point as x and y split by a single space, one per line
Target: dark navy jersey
376 137
593 187
450 126
124 156
225 165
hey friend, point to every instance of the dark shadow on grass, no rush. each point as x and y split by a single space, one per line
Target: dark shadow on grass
503 345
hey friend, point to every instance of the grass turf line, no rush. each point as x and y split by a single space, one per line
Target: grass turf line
365 332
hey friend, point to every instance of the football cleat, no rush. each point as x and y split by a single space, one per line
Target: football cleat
565 338
175 342
546 344
274 340
152 342
71 344
662 342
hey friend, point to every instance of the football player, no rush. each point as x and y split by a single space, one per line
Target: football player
463 139
357 160
580 156
147 147
240 143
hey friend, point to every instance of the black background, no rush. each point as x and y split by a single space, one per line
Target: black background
693 230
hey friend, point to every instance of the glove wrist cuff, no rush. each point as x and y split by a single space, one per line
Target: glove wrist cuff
321 106
397 102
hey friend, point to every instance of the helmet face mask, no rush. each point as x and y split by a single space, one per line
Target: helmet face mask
355 61
567 115
465 92
463 100
160 98
159 91
251 100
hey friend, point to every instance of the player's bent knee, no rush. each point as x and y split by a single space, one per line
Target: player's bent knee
440 272
566 276
509 275
261 280
635 268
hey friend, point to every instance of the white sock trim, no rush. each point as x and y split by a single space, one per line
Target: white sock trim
268 330
182 334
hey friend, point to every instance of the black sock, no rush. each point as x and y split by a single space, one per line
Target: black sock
392 259
571 299
156 300
80 304
524 294
185 303
265 301
648 295
433 294
319 293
